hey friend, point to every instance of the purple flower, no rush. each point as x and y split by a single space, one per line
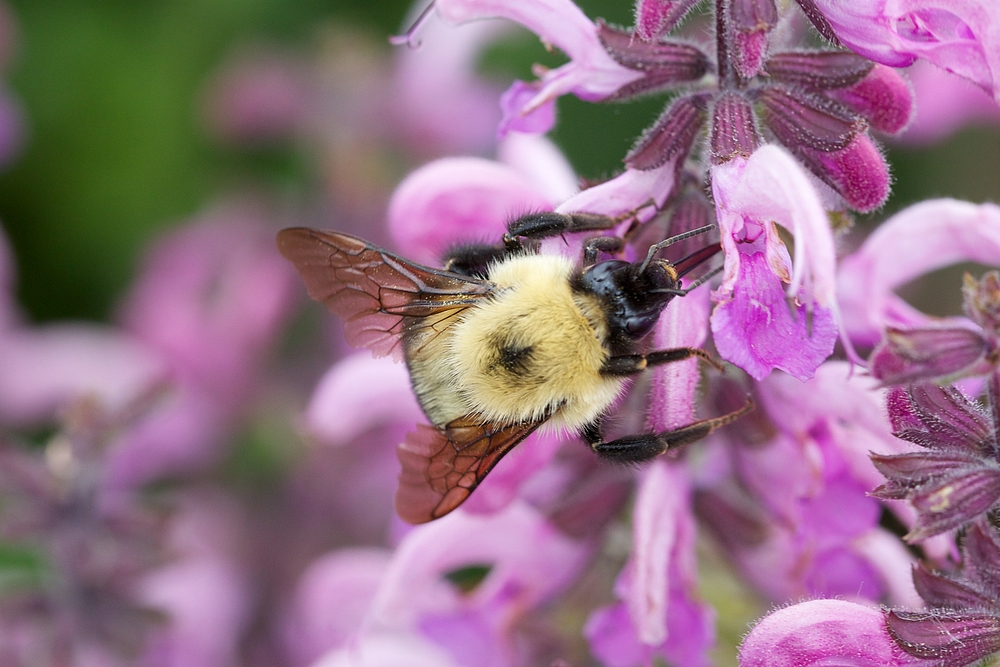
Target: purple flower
963 624
257 98
787 499
659 614
772 313
455 589
592 74
822 632
956 476
961 36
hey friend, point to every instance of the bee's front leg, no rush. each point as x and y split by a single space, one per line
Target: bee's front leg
644 446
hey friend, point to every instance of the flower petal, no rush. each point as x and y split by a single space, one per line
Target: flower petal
358 393
458 199
920 239
961 36
591 74
771 186
757 330
821 632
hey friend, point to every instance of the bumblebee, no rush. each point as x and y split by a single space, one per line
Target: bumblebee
502 340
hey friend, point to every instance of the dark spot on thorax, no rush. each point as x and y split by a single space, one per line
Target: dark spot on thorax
515 360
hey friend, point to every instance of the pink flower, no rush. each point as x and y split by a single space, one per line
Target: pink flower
211 299
786 496
592 74
916 241
659 614
945 103
822 632
770 312
453 589
439 99
960 36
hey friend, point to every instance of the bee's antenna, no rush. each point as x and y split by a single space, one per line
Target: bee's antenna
696 284
656 247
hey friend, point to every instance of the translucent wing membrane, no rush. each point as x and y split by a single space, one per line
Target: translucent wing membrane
379 295
442 466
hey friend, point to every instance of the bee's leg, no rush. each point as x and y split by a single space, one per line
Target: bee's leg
472 259
630 364
549 223
645 446
594 246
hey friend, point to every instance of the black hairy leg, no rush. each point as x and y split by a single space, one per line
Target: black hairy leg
473 259
593 247
644 446
630 364
550 223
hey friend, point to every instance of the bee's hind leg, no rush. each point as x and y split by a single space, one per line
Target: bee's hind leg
645 446
631 364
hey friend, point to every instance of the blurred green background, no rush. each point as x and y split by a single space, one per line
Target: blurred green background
116 150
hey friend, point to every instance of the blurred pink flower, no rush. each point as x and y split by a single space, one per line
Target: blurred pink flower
203 592
945 103
211 298
916 241
258 97
330 601
44 370
440 101
660 614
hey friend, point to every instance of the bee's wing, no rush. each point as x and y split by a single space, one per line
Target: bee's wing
378 294
442 466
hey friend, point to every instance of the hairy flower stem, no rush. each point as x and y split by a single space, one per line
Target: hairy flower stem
726 77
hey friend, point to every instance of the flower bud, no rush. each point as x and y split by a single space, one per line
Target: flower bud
733 130
818 70
656 18
858 172
662 63
883 98
914 355
671 137
752 22
801 120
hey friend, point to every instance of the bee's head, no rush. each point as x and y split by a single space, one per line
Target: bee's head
632 294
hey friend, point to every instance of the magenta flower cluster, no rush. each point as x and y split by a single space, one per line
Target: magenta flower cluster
858 500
